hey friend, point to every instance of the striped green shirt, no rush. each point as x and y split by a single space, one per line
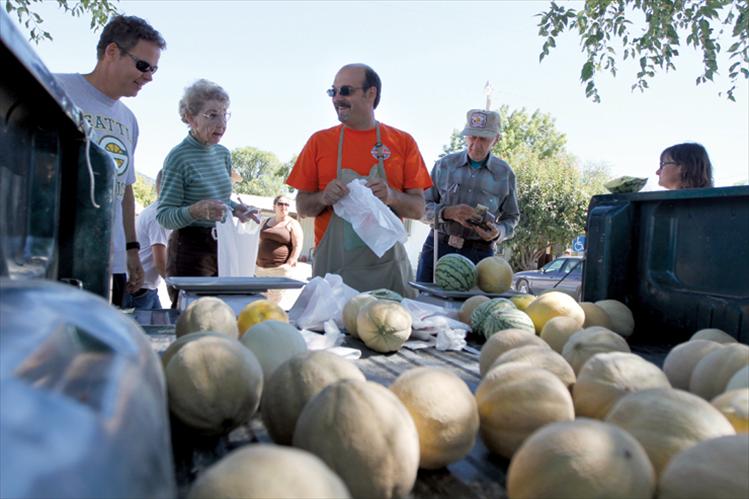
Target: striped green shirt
193 172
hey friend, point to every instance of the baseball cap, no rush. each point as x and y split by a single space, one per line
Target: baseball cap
481 123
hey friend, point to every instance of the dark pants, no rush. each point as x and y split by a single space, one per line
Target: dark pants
119 285
473 250
191 252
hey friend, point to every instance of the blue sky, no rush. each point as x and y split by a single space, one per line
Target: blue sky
277 58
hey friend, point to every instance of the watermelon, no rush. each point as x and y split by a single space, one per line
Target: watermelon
508 319
385 294
482 311
454 272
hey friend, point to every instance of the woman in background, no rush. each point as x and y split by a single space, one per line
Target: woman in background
281 239
685 166
197 184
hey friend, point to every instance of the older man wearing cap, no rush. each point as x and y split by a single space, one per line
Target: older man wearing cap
471 205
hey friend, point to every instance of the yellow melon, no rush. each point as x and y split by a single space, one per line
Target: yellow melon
682 358
622 320
516 399
259 311
522 301
264 470
207 314
712 334
502 341
558 330
583 458
539 356
466 309
273 343
712 373
586 343
606 377
365 434
739 380
351 311
667 421
734 405
214 384
444 411
494 275
595 316
554 304
714 468
296 382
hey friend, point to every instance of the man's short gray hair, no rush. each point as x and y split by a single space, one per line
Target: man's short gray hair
197 94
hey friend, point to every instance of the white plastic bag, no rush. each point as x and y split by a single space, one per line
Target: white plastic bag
321 300
237 246
370 218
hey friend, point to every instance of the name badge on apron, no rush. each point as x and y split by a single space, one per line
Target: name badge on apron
455 241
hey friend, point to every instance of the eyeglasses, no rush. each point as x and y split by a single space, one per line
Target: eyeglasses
344 91
140 64
666 163
282 204
215 117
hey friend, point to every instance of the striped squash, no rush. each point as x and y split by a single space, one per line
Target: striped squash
507 319
454 272
496 305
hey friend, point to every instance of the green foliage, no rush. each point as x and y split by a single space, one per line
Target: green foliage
457 143
144 190
594 175
99 10
262 172
605 25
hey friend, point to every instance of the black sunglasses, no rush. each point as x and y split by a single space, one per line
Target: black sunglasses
282 204
140 64
344 91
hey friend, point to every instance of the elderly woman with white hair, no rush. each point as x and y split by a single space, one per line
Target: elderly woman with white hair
196 185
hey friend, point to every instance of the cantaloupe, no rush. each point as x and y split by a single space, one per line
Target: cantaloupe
554 304
501 342
712 373
667 421
207 314
273 343
444 411
734 405
214 384
581 459
384 325
259 311
263 470
296 382
351 311
365 434
739 380
715 469
713 334
558 330
516 399
595 316
681 359
539 356
622 320
494 274
586 343
174 346
606 377
468 306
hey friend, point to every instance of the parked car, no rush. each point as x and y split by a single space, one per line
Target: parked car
563 274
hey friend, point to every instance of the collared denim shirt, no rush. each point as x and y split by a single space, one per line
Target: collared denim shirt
455 182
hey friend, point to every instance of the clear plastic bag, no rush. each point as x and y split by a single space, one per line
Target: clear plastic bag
370 218
321 300
237 246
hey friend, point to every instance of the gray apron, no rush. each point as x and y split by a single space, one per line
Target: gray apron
341 251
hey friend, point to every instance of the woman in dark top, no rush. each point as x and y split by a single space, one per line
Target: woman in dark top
281 239
685 166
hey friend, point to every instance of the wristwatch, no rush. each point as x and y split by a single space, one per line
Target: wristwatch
132 245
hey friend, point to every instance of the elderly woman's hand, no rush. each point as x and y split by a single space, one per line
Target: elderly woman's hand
208 209
245 212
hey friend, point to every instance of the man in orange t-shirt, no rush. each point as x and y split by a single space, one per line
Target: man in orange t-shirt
360 146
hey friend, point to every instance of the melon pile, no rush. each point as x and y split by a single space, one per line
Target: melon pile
455 272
